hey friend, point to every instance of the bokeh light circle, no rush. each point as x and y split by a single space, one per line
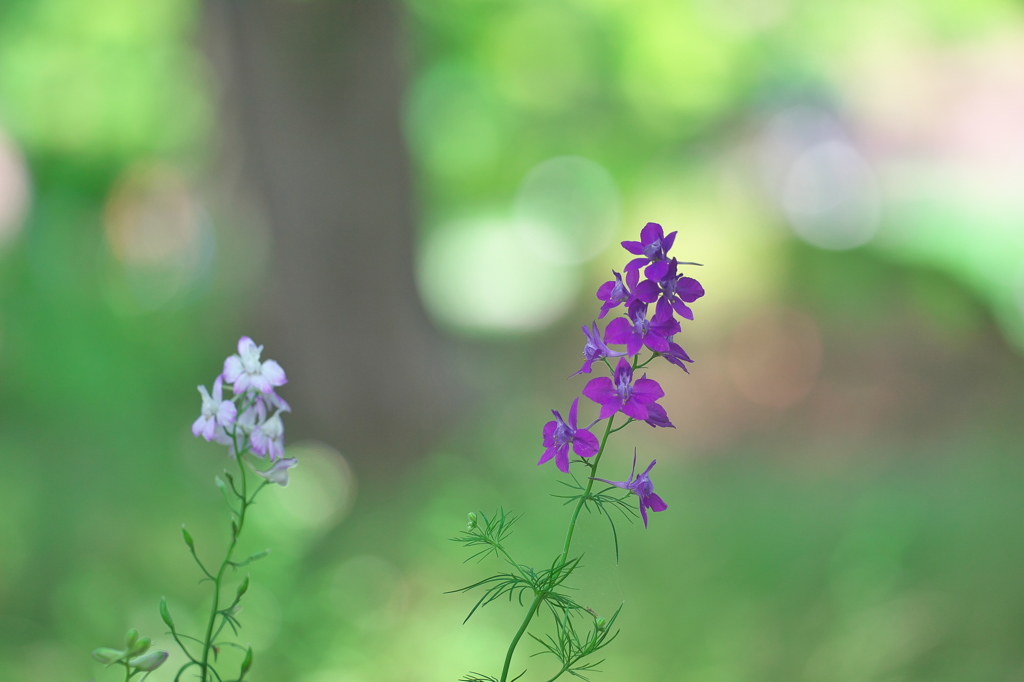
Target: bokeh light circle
567 209
480 275
831 198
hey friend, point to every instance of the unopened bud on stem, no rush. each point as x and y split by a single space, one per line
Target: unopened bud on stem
149 662
165 614
106 654
246 663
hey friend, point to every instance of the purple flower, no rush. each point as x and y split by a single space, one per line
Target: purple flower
615 292
656 416
594 350
279 472
243 428
558 435
642 487
676 355
268 437
637 331
245 369
673 288
652 248
215 411
622 394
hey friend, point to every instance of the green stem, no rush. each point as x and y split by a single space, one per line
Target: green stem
214 610
586 493
565 552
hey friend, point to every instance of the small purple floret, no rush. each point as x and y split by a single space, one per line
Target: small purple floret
642 487
676 355
594 350
615 291
278 473
656 416
268 438
559 435
245 369
622 395
653 248
637 331
216 412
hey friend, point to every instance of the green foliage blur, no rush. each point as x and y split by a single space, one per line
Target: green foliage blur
844 482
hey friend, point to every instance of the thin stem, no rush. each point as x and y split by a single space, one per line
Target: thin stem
522 629
565 552
214 610
586 493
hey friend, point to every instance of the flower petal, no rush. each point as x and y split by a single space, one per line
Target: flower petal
632 408
655 503
585 444
647 291
549 433
668 241
274 374
246 345
241 382
232 369
657 270
209 428
562 458
635 248
682 309
689 289
647 390
619 330
198 425
227 413
573 413
600 390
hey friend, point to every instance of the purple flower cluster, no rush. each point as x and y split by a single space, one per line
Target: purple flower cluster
651 280
249 421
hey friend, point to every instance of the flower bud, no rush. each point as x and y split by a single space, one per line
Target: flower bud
242 588
256 556
246 663
600 623
140 647
149 662
107 655
165 614
188 538
131 637
471 521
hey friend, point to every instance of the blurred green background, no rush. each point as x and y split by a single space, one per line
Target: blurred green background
844 484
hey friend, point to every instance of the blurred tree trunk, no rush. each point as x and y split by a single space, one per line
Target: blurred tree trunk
310 97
